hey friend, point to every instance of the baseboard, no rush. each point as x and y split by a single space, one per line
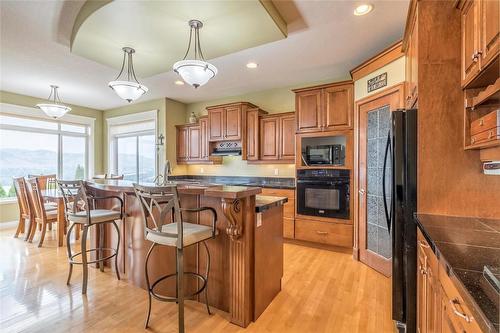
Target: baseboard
318 245
8 225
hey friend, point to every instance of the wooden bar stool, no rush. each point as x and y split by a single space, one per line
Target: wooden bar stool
41 213
157 203
80 211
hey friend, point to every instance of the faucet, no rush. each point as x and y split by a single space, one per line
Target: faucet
167 171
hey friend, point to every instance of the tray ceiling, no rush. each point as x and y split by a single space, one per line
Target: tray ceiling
159 31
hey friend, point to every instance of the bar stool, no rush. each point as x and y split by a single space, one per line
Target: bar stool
80 210
156 202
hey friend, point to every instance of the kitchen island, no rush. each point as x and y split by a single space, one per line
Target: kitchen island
246 255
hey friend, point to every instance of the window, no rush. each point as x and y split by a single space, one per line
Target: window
132 142
34 144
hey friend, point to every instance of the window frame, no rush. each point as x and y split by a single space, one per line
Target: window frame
18 111
134 118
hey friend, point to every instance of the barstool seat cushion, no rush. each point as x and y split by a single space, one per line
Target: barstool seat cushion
192 233
96 216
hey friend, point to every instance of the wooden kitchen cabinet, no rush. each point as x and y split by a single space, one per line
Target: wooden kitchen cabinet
193 146
253 133
226 122
324 108
480 37
277 137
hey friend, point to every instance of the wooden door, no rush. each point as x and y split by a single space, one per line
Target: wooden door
216 124
338 108
421 291
287 137
253 134
182 144
269 138
232 123
470 47
373 114
204 144
489 30
308 108
194 138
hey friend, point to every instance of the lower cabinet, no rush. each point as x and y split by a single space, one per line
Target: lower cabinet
440 308
330 233
288 209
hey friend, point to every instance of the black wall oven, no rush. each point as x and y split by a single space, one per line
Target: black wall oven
323 192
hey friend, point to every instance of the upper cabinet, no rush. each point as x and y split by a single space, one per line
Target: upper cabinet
324 108
277 137
226 122
480 37
193 146
253 133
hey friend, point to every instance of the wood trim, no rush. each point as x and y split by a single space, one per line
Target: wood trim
275 15
358 253
383 58
321 86
271 115
409 23
235 104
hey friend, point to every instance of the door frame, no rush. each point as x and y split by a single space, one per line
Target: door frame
398 91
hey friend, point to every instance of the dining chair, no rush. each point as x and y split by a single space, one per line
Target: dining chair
46 182
80 211
43 215
158 203
24 208
103 176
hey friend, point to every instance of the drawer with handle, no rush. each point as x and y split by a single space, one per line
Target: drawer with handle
485 136
489 122
337 234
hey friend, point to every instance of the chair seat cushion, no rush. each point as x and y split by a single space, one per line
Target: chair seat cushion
51 214
49 206
96 216
192 233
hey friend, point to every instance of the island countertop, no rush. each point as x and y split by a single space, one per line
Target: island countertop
211 190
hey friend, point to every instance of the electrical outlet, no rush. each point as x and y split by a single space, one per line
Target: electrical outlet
276 172
202 170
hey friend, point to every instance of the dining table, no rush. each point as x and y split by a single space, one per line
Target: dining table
55 196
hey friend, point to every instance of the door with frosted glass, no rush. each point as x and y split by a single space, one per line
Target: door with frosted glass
375 245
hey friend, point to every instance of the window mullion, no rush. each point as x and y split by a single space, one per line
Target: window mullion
137 157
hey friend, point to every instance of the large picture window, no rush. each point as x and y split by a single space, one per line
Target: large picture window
133 152
32 145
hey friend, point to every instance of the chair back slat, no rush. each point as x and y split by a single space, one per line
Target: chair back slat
156 203
35 194
74 196
45 182
22 196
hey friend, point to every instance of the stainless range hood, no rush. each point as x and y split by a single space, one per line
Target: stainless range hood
227 148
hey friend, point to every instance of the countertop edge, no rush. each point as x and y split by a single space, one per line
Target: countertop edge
483 321
276 201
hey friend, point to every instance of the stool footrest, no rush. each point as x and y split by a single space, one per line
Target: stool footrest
114 253
164 298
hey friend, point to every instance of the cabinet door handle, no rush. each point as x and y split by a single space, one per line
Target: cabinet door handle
362 191
481 122
462 315
490 135
321 232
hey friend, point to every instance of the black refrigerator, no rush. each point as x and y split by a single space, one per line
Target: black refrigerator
400 206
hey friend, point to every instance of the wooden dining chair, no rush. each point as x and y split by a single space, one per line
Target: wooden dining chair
46 181
24 207
41 216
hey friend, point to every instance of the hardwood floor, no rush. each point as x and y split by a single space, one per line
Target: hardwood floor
323 291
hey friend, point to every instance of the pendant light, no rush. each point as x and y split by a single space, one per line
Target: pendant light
55 109
195 72
129 89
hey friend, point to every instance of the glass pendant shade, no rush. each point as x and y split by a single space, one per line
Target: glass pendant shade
55 109
195 72
129 89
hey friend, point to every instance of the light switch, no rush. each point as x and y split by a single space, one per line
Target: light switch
276 172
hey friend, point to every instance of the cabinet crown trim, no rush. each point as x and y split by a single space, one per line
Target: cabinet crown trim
326 85
248 104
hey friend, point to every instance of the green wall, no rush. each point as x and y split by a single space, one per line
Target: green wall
10 211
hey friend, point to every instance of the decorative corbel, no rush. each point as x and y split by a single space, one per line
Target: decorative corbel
232 211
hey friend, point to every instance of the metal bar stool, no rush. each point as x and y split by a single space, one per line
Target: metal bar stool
80 210
156 203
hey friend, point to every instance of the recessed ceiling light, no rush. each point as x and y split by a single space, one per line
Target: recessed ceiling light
363 9
179 83
252 65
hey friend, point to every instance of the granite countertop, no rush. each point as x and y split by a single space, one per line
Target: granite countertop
265 202
267 182
212 190
465 245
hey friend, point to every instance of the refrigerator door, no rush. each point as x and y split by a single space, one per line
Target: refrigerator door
404 204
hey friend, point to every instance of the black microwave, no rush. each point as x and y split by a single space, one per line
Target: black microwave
325 155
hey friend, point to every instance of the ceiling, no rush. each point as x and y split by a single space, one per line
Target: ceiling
159 31
325 40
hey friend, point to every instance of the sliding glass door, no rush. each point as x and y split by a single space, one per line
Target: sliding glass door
135 156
